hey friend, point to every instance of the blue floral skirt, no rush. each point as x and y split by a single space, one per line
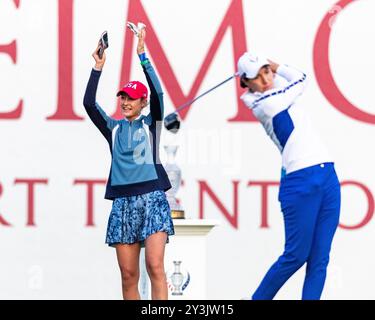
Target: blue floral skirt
133 219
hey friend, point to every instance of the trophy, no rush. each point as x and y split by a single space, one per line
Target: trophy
177 279
174 175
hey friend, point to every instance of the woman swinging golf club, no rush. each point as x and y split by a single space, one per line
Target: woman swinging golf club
309 189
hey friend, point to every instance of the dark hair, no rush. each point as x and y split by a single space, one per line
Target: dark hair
242 79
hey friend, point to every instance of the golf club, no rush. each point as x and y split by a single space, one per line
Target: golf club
172 121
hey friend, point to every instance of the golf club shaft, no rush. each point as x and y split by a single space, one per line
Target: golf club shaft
188 103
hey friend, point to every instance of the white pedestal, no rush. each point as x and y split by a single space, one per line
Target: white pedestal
188 246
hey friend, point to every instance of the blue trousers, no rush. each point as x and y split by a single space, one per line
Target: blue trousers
310 202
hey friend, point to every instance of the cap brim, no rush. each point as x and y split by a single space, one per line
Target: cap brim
256 74
121 92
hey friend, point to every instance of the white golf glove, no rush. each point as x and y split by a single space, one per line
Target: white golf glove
136 29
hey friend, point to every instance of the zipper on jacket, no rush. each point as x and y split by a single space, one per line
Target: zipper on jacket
130 135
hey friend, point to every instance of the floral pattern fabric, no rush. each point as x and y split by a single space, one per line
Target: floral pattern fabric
133 219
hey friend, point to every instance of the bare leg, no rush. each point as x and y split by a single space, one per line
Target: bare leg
154 252
128 261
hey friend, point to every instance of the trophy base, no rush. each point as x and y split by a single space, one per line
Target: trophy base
178 214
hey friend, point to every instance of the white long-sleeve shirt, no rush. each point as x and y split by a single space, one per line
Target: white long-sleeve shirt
285 121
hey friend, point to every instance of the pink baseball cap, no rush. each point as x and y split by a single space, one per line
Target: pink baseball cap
134 89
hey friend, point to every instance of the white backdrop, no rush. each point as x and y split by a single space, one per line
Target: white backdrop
53 254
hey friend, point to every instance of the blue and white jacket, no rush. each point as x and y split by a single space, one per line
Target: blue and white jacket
136 167
286 122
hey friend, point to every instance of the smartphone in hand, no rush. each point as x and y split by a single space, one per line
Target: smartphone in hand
103 43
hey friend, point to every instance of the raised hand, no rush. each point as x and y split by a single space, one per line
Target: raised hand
140 32
141 41
99 62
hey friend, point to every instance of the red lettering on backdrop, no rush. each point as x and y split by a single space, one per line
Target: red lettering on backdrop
233 19
65 110
2 220
370 201
90 183
30 197
323 70
11 50
232 218
264 198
